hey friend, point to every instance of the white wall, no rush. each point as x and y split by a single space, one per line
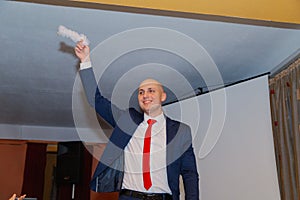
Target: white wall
233 141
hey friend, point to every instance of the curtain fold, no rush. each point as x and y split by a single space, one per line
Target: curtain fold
285 108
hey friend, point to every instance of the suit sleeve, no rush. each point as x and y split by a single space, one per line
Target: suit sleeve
189 170
103 106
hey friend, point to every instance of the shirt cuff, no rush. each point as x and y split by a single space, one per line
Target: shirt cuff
85 65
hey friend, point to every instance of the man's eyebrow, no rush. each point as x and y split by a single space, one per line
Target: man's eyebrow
150 88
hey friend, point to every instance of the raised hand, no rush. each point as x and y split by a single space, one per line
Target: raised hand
82 52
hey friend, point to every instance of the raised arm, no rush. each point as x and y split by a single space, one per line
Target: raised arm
103 106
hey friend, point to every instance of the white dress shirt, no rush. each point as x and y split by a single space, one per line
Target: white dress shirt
133 172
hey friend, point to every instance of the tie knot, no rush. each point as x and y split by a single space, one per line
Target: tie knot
151 121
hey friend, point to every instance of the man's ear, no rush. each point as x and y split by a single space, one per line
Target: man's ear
163 96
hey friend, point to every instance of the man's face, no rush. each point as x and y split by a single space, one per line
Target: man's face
150 97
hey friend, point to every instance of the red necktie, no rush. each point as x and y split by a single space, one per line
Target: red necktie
146 155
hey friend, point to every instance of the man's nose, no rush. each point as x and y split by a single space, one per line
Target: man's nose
145 95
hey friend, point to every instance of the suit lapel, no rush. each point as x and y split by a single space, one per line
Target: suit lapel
172 128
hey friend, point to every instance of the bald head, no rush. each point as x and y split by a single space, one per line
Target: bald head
150 81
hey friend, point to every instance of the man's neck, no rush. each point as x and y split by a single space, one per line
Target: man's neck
154 114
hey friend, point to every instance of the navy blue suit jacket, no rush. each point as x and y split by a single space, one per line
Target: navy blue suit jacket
108 175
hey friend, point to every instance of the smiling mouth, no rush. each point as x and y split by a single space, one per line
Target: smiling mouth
147 101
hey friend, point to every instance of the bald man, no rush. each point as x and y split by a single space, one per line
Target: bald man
147 152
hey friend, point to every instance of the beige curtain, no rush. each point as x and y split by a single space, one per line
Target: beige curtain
285 107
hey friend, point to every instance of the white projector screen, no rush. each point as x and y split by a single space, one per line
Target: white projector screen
233 141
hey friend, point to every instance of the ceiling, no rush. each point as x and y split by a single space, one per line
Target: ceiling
38 68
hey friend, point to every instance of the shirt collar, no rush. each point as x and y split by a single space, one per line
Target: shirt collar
159 119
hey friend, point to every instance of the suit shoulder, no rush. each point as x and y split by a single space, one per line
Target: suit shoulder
177 123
